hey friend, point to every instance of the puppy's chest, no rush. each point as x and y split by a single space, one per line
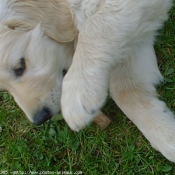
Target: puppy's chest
83 9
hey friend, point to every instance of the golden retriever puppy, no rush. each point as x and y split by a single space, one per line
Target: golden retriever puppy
113 42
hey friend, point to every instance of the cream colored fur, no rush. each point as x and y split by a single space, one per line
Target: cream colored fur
114 51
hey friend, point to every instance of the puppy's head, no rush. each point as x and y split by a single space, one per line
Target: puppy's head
35 52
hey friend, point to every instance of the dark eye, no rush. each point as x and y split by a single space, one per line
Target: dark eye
64 72
20 68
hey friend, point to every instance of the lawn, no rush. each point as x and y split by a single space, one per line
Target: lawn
119 149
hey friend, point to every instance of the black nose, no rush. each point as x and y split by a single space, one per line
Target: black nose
42 116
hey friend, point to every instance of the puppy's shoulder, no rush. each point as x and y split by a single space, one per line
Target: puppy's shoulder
83 9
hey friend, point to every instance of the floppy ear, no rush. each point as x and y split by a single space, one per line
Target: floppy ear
55 16
61 25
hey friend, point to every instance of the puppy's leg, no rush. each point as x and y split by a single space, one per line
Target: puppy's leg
86 84
132 88
104 41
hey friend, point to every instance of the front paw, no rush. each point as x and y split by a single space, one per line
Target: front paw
80 101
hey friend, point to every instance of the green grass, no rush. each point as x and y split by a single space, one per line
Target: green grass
120 149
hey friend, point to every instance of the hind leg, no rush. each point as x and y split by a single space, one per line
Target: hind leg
132 88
